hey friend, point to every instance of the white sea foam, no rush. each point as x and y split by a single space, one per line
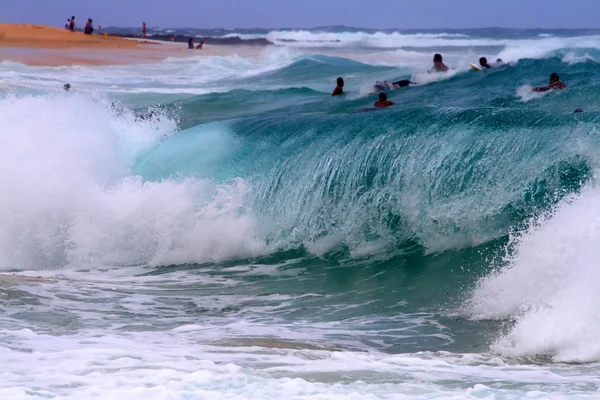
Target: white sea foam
572 58
197 75
550 286
70 197
174 365
526 93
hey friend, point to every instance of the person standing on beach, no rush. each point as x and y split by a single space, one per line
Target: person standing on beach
89 28
144 30
72 24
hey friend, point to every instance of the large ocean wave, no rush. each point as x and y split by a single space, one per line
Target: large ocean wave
251 161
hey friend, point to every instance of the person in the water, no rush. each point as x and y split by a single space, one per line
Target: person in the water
67 87
383 101
554 84
483 62
386 85
339 89
149 115
438 64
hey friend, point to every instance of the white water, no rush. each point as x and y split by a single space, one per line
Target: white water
71 198
71 344
550 286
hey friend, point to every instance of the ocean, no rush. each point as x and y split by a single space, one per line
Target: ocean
260 239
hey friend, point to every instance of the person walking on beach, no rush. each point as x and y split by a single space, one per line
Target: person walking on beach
144 30
89 28
72 24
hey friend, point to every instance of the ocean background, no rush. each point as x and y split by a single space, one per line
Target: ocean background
260 239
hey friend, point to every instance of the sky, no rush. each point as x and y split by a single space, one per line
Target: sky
309 13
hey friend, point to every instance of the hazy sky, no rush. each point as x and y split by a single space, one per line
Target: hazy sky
310 13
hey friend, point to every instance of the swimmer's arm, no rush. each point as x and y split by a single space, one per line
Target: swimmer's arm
541 89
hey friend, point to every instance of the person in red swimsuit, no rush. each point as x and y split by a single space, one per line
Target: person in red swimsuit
383 101
339 89
555 84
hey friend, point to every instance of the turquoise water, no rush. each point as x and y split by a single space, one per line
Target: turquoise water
263 239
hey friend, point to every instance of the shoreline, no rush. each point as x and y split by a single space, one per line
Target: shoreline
41 57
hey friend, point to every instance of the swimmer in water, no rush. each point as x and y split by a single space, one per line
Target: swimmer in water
383 101
386 85
339 89
149 115
438 64
554 84
483 62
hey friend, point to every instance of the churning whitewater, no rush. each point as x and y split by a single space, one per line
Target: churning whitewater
259 238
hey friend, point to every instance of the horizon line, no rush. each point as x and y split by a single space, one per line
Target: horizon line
327 26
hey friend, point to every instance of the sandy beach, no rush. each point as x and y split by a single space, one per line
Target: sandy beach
47 46
38 45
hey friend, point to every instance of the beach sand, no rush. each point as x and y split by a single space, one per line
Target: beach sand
46 46
45 37
38 45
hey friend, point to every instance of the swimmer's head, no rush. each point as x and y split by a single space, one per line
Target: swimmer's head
554 77
499 60
437 58
483 61
382 96
340 82
67 86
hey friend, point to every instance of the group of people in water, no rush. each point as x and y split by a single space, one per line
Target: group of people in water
439 66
